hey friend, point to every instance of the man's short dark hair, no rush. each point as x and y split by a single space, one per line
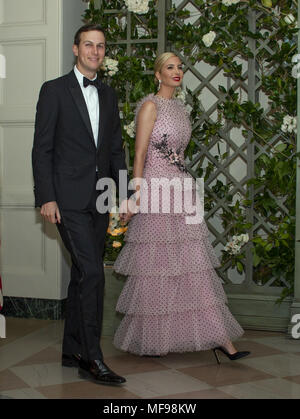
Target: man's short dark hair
87 28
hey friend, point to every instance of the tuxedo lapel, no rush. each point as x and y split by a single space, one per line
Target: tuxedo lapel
76 92
102 116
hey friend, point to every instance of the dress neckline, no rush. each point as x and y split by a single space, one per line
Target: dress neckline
164 98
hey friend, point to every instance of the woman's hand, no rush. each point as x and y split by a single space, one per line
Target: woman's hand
125 213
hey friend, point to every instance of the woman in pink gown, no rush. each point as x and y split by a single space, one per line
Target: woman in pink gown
173 299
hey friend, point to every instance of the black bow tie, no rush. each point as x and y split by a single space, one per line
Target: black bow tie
87 82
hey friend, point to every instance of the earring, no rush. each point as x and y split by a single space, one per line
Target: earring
159 84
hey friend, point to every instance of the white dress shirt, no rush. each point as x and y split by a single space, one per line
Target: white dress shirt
91 97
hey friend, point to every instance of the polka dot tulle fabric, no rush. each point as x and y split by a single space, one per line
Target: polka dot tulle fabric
173 299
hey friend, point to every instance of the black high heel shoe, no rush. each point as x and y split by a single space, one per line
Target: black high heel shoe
232 357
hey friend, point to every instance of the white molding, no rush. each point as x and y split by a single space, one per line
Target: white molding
42 21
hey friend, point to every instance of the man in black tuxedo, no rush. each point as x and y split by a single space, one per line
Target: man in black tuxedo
77 141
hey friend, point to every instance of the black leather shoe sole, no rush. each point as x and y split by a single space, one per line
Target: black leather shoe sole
70 362
86 375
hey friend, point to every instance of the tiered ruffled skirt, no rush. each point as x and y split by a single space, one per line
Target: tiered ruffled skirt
173 299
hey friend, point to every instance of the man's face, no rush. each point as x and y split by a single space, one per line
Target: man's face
90 52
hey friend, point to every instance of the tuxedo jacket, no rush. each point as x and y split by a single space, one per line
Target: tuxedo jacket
64 154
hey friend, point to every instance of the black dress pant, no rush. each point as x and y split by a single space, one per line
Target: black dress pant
83 233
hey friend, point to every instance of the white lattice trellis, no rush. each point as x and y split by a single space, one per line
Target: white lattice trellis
252 303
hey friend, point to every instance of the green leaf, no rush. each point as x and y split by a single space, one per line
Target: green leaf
269 247
256 260
267 3
240 267
280 147
285 236
222 89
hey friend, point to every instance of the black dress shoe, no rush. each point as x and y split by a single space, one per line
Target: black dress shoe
99 373
70 360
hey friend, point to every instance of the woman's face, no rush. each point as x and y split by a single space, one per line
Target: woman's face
171 74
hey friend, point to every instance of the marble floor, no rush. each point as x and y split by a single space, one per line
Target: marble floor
30 368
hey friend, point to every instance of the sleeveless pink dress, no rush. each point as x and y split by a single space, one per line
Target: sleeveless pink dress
173 299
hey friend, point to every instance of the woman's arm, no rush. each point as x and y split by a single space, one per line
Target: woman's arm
144 127
145 123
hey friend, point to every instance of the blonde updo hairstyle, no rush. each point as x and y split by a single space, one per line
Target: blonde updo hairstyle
160 61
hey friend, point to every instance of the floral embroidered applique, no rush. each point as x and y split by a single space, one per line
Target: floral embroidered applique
170 154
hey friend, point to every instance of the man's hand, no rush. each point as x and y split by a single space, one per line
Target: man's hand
125 213
51 212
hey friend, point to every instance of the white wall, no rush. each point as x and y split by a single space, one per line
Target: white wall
36 38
